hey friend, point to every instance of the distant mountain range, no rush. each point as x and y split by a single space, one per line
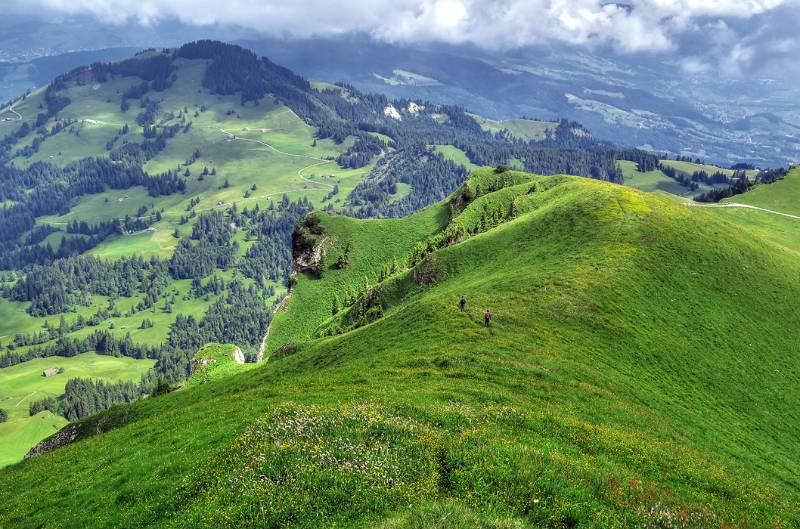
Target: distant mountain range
637 101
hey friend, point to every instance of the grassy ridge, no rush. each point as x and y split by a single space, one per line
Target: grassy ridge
364 259
638 373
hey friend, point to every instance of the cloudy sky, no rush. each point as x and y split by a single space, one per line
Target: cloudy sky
726 36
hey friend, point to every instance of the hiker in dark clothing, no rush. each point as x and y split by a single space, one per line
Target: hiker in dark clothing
462 303
487 317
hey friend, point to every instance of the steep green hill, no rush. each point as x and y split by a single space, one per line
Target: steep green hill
640 371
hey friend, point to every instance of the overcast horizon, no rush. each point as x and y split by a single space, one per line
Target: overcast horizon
724 37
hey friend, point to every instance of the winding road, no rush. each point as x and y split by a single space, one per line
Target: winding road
739 205
11 109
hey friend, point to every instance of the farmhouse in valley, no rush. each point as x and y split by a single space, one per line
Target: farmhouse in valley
50 372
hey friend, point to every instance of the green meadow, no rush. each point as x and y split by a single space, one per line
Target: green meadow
22 384
651 181
456 155
691 167
782 196
524 129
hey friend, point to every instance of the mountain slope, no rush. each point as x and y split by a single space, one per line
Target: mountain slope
147 204
638 372
633 100
123 166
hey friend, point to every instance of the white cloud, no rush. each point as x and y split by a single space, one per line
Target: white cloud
694 65
641 25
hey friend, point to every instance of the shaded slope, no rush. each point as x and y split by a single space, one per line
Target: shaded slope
638 371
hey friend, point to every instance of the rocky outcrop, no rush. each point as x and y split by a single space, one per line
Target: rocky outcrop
63 437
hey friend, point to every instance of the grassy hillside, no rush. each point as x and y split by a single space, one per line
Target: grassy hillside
782 196
650 181
199 160
215 361
638 372
22 384
690 167
524 129
456 155
355 242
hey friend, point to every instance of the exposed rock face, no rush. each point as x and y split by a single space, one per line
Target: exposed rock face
62 437
391 112
311 259
238 356
414 108
308 246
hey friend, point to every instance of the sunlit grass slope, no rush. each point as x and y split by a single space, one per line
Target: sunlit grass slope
641 370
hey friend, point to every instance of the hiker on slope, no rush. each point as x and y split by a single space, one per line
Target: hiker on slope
462 303
487 317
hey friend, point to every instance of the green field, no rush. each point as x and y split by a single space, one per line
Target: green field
640 371
782 196
22 384
456 155
690 167
524 129
654 180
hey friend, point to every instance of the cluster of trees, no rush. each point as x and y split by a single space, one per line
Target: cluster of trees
271 255
645 161
100 341
692 181
136 154
429 174
59 286
83 397
213 248
363 150
241 316
103 228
